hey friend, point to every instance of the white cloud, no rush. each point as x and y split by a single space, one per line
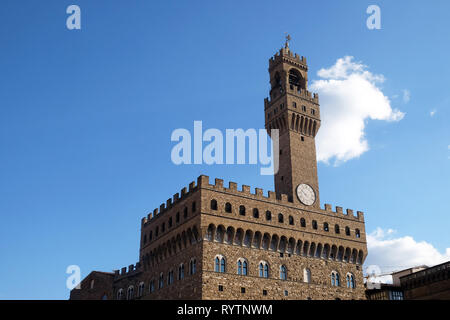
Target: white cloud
349 96
406 96
394 254
432 112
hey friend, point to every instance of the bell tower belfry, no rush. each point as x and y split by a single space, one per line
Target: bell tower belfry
293 110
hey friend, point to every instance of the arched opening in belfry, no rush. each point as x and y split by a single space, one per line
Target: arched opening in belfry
296 79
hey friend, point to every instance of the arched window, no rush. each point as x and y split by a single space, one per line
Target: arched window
194 206
130 293
161 281
150 236
306 275
220 264
303 222
347 231
357 233
192 266
181 271
255 213
170 278
291 220
242 267
242 210
350 281
92 284
177 217
120 294
280 218
228 207
185 212
268 215
314 224
151 286
325 227
335 279
295 78
213 204
264 269
283 272
141 289
336 229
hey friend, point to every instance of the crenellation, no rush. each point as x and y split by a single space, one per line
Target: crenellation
259 192
349 212
272 195
218 183
360 215
191 186
232 186
176 197
169 203
183 192
203 181
328 207
339 210
245 189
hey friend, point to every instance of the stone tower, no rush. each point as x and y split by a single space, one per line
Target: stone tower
293 110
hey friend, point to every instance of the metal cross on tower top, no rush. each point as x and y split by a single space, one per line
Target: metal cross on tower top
288 38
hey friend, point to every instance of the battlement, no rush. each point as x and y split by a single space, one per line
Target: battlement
203 182
286 55
177 197
127 271
245 190
297 91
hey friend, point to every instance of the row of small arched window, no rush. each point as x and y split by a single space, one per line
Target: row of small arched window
161 282
169 224
268 215
263 271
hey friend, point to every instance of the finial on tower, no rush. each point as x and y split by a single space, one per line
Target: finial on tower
288 38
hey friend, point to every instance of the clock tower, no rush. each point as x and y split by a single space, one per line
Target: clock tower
293 110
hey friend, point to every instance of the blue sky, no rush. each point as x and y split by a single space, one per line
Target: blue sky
86 117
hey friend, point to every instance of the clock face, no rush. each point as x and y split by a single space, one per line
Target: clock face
306 194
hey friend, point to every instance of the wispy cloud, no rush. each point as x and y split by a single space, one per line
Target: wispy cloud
406 96
432 112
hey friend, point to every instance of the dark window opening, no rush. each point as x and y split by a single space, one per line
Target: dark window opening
291 220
